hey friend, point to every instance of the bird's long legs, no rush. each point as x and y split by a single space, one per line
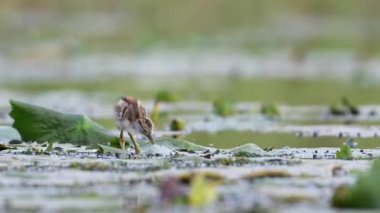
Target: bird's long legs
122 140
135 144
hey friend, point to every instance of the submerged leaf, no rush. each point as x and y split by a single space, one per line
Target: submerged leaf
39 124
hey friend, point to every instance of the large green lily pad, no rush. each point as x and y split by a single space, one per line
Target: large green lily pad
40 124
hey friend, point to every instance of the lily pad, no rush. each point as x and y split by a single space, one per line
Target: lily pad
176 144
248 150
40 124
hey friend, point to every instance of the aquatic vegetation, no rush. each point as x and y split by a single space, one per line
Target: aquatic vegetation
337 110
344 153
270 110
353 109
40 124
202 192
223 108
177 125
266 174
165 96
346 108
212 177
161 96
365 194
90 166
248 150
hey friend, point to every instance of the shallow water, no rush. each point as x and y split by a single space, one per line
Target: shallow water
116 185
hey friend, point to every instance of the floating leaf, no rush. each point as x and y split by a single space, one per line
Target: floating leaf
248 150
176 144
39 124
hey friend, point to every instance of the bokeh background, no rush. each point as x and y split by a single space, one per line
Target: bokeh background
293 52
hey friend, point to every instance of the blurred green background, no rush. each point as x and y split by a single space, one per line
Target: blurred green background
51 36
134 25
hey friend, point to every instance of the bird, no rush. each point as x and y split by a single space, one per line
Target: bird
131 117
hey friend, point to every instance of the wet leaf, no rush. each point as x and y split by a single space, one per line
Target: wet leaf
248 150
40 124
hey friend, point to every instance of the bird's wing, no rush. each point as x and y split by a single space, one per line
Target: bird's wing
142 112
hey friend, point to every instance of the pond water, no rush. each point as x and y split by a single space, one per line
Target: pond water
293 167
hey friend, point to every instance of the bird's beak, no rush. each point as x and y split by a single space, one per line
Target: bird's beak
151 139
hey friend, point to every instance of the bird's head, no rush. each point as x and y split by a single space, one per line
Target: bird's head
146 126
